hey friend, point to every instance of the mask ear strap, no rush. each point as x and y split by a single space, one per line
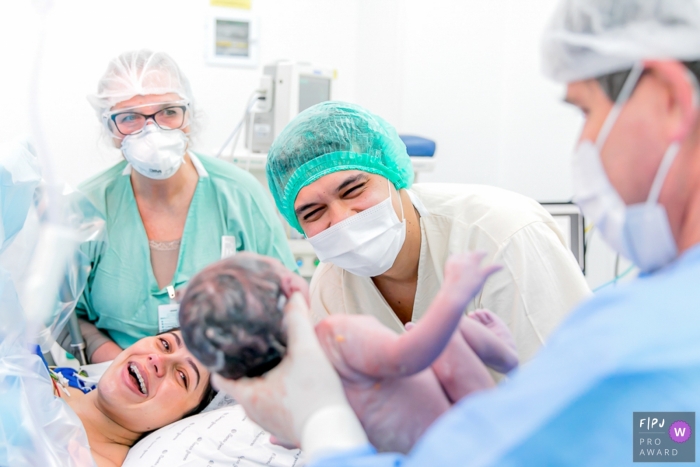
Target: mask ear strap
403 218
660 177
624 95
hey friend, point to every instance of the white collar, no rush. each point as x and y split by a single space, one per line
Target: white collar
418 204
201 171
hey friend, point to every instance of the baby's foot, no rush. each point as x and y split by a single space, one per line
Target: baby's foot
490 339
495 324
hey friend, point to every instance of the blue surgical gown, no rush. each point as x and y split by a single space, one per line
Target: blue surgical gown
122 295
635 348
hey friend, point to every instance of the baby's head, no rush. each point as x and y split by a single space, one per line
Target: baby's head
231 314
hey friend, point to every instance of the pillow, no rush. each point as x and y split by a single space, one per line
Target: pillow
224 436
221 399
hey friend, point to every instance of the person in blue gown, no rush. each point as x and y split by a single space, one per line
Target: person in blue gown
632 67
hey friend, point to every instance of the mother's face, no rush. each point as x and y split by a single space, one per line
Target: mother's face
153 383
339 195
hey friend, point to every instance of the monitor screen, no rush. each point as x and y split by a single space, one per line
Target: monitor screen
232 38
313 90
569 219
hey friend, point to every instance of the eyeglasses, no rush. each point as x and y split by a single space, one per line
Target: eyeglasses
171 117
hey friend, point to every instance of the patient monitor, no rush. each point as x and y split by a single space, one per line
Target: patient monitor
569 219
289 88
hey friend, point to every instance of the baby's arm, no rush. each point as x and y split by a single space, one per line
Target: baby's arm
376 352
414 351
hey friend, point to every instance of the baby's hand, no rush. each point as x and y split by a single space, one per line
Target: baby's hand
464 275
293 283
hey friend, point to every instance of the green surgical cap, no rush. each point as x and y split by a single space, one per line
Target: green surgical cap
330 137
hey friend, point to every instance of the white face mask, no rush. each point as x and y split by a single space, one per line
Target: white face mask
640 232
155 153
365 244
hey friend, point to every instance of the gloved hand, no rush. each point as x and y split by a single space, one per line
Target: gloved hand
301 401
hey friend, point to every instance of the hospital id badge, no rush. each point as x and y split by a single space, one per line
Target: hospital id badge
168 317
228 246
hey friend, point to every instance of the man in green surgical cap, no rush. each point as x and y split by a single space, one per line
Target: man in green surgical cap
341 176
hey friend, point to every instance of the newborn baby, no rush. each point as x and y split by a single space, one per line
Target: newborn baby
389 383
231 319
231 314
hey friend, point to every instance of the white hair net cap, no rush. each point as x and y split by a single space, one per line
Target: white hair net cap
139 73
591 38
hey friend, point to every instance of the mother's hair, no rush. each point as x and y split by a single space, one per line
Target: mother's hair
209 391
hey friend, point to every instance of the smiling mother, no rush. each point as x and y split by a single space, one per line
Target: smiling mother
149 385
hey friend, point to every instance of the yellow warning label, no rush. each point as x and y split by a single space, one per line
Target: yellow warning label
243 4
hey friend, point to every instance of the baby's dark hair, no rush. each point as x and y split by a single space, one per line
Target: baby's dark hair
231 317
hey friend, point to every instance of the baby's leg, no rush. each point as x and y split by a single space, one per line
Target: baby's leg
495 324
460 370
490 339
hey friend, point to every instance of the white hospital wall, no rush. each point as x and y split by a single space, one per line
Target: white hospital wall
82 35
467 74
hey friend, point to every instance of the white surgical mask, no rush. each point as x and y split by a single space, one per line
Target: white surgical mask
365 244
155 153
641 231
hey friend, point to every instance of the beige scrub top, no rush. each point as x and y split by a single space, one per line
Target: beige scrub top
538 285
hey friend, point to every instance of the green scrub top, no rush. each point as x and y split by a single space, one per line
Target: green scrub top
122 295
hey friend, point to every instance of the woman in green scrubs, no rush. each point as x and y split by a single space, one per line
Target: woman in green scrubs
169 212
